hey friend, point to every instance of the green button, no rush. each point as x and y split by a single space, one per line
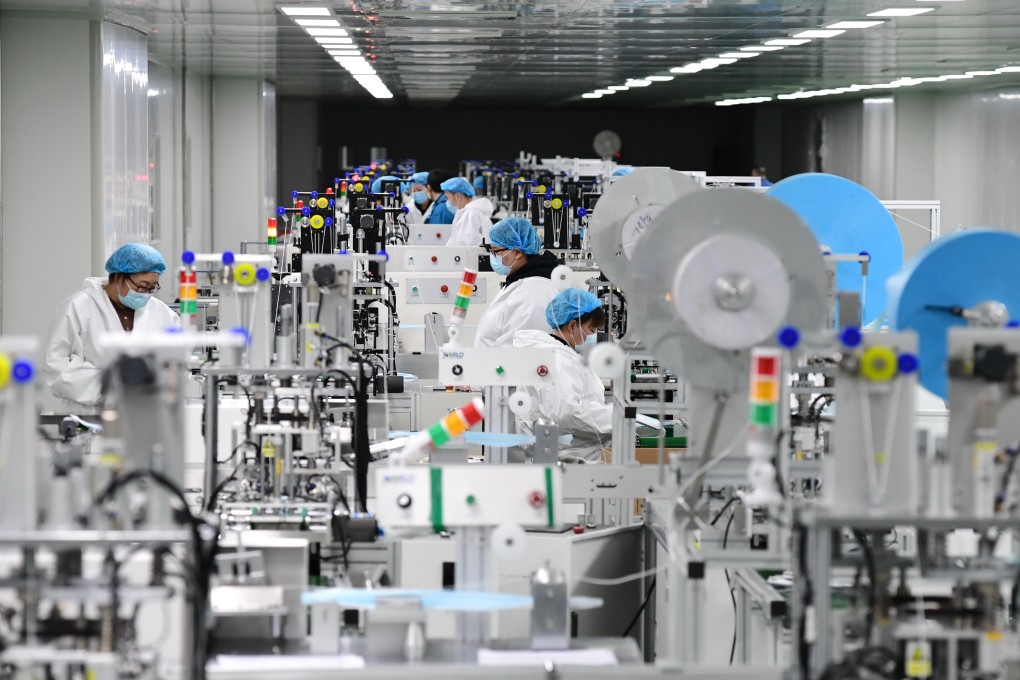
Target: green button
499 370
470 499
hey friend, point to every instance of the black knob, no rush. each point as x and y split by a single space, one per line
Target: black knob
456 258
404 500
457 369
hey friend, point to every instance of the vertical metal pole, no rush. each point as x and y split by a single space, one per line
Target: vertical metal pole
651 561
211 438
473 574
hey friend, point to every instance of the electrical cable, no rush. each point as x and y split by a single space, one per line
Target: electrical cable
869 561
729 585
641 609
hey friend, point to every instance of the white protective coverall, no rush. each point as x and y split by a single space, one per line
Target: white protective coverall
575 401
519 306
414 214
472 223
73 358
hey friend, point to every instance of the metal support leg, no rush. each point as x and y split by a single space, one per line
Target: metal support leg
497 419
473 573
648 627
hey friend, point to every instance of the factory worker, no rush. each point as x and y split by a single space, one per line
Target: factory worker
521 304
479 184
417 202
575 401
622 172
439 212
472 217
123 302
377 186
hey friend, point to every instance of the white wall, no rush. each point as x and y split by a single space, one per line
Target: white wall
243 160
47 172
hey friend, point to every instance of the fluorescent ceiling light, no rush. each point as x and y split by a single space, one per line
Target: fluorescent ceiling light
982 73
738 55
353 52
855 24
1008 69
788 42
638 82
618 88
317 22
591 95
879 100
605 91
761 48
335 41
659 79
305 11
326 32
712 62
819 33
689 68
901 12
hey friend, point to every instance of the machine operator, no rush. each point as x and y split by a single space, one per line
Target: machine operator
123 302
472 214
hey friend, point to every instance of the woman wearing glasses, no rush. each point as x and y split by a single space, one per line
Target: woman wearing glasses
123 302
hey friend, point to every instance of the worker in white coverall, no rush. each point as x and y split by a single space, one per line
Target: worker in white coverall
472 217
521 304
575 401
122 302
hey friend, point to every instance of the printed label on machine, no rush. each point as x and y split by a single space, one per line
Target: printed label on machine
918 660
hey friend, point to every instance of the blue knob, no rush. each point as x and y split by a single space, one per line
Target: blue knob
826 251
332 203
329 221
22 371
262 274
243 332
528 195
385 255
865 253
581 212
343 251
789 337
228 257
306 211
850 336
534 182
907 363
293 194
336 180
405 209
281 211
188 257
315 195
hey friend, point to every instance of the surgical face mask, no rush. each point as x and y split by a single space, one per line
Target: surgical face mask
498 266
585 339
133 299
419 197
452 207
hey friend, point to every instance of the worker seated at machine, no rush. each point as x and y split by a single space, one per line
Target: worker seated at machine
472 214
521 303
576 402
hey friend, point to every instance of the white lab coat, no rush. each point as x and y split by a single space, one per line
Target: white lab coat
575 400
414 215
518 307
73 359
472 223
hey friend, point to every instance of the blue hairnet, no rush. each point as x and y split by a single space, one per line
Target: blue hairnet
421 178
568 305
377 184
620 172
135 258
479 183
516 232
457 185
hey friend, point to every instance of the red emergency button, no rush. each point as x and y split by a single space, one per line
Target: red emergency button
444 289
543 371
536 499
329 190
439 235
435 259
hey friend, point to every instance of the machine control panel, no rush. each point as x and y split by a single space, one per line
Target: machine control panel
432 258
468 496
494 366
440 291
429 234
